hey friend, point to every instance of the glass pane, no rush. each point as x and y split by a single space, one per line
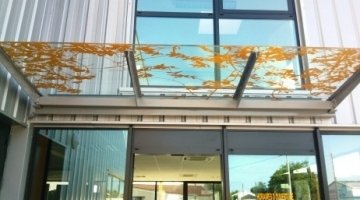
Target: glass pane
342 157
275 5
204 191
143 191
273 177
79 164
257 32
155 30
198 6
170 68
169 191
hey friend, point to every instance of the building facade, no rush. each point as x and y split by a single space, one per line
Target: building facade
179 99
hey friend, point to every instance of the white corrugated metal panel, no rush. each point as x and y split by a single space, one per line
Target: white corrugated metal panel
67 21
332 23
93 21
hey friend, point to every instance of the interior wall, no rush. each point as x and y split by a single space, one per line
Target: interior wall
334 23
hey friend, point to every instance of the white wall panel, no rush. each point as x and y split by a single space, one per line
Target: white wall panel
311 23
93 21
77 13
356 103
347 28
96 21
345 113
335 23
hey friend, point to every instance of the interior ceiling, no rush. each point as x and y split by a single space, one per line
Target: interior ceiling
177 167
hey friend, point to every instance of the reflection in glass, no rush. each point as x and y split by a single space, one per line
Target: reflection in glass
159 190
169 191
342 158
143 190
167 70
79 164
198 6
259 176
274 5
257 32
160 30
204 191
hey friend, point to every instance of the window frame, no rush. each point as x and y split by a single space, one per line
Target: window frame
220 13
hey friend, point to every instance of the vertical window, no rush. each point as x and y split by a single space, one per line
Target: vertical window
342 159
209 23
237 22
78 164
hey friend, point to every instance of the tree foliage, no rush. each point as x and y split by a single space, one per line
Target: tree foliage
303 182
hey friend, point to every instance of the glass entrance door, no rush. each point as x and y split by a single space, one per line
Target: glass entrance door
177 165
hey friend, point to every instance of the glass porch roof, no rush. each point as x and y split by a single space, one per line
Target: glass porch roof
183 71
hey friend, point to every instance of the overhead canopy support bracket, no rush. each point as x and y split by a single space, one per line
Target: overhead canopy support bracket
344 90
245 77
130 59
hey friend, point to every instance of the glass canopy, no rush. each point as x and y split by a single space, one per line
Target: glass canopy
201 71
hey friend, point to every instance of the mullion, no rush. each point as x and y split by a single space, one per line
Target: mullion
256 16
173 14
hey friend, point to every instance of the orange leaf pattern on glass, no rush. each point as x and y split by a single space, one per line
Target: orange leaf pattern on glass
281 70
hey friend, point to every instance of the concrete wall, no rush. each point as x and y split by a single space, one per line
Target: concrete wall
15 170
335 23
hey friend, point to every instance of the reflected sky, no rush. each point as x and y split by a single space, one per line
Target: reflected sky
342 153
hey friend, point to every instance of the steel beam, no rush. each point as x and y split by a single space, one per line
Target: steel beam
153 106
130 59
345 89
245 77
